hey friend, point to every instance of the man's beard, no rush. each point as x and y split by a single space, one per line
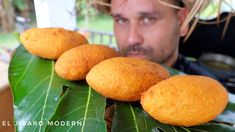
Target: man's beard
146 52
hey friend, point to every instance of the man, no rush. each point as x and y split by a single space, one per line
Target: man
150 30
147 29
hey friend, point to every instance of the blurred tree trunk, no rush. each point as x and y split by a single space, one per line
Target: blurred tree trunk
7 15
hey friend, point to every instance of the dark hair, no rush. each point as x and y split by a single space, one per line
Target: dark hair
180 3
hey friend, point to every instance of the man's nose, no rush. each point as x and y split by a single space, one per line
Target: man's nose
135 36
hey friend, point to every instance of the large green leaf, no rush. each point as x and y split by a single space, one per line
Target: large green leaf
131 118
36 90
81 106
37 94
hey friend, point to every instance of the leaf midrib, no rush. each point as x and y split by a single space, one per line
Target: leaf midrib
48 90
133 114
85 114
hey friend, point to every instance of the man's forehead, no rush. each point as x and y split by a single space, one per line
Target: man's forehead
140 7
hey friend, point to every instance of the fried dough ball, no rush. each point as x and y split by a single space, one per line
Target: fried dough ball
185 100
124 78
50 43
75 63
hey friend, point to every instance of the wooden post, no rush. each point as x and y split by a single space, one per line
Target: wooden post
7 16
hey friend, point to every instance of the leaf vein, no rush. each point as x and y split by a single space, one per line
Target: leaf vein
185 129
133 114
26 69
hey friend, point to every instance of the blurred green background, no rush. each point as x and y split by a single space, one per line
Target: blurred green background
88 18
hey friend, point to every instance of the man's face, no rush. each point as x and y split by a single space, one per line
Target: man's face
146 29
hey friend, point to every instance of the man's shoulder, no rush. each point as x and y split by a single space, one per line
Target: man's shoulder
190 66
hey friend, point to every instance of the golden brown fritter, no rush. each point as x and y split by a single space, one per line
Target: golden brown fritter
185 100
50 43
124 78
75 63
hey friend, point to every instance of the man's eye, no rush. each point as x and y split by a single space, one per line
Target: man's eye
149 20
121 20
